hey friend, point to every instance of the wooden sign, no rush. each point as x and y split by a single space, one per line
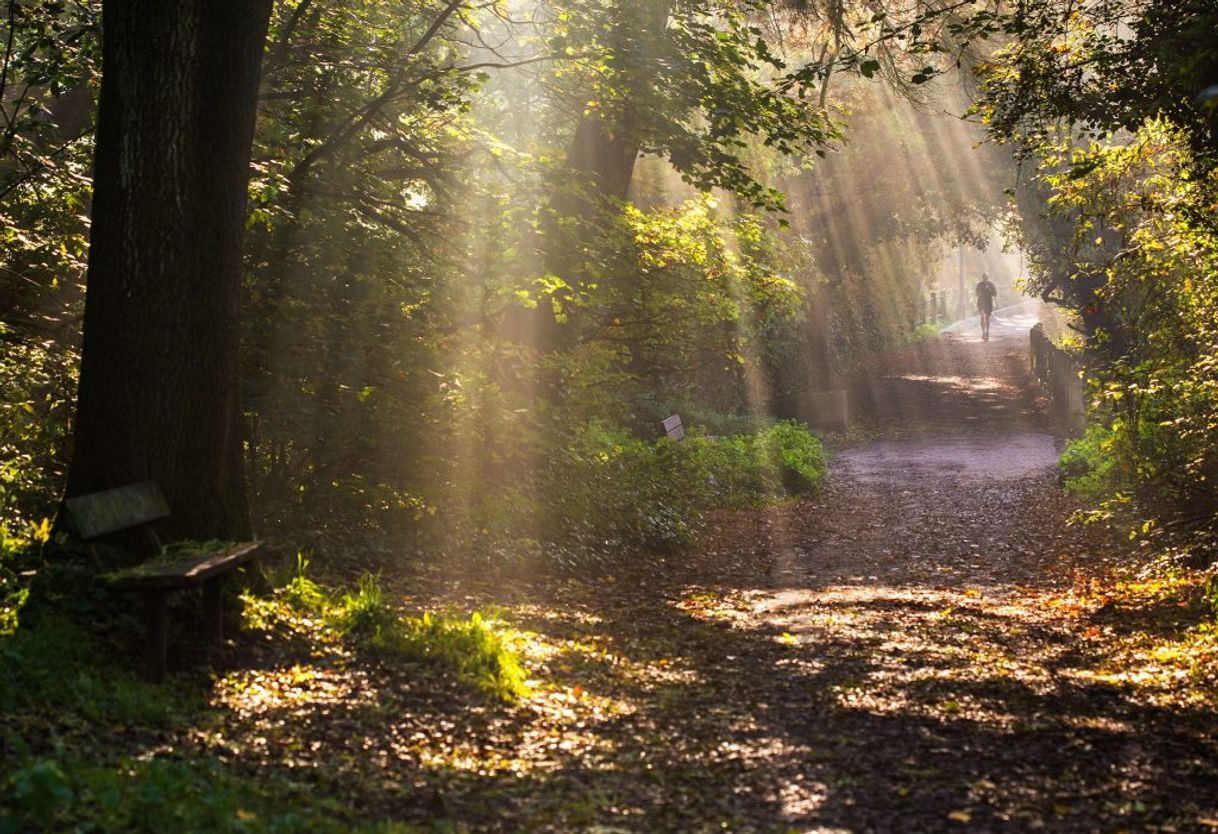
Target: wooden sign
673 427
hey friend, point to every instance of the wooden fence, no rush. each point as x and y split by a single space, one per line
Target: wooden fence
932 308
1062 376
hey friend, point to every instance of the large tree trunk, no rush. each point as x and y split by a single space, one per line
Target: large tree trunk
159 393
600 165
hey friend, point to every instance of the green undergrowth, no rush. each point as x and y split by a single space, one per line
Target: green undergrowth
56 665
164 794
79 727
1127 488
610 493
71 719
1089 465
920 334
470 648
591 495
57 653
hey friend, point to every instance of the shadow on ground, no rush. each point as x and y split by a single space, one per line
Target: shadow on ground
879 659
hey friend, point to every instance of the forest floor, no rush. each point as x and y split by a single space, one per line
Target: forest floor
925 646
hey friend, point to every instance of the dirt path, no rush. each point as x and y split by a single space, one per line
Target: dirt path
913 596
909 652
907 664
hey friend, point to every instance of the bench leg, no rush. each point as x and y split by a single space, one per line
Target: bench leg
157 635
213 610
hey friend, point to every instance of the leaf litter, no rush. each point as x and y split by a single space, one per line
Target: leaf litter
924 651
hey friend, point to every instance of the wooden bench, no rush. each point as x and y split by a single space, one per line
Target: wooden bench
139 506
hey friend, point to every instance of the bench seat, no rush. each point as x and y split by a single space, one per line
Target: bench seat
189 568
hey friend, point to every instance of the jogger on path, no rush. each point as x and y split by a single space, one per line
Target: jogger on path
986 291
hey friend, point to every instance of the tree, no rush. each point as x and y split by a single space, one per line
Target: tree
1106 67
691 80
159 395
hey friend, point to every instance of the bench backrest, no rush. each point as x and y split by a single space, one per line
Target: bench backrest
673 427
116 509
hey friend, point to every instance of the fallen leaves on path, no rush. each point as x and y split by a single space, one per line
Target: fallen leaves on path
927 652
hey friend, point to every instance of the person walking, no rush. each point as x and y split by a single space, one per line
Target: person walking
986 292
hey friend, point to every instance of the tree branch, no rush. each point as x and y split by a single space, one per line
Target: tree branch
339 137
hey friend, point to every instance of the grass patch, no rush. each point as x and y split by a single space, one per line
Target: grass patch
72 714
164 794
75 720
472 649
56 663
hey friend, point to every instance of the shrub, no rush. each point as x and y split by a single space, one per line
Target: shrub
1153 343
606 490
610 491
37 381
798 455
1090 465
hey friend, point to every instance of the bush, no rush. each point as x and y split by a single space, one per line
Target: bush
1089 464
37 381
609 491
606 490
1153 344
798 456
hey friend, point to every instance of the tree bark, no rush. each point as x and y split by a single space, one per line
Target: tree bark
159 396
601 159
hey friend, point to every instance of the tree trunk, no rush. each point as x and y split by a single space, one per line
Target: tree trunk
600 164
159 395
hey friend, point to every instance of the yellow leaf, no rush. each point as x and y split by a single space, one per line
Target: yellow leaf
960 816
41 533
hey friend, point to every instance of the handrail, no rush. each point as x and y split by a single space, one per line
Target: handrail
1062 376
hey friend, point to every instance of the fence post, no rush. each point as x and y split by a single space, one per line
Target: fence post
1057 371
